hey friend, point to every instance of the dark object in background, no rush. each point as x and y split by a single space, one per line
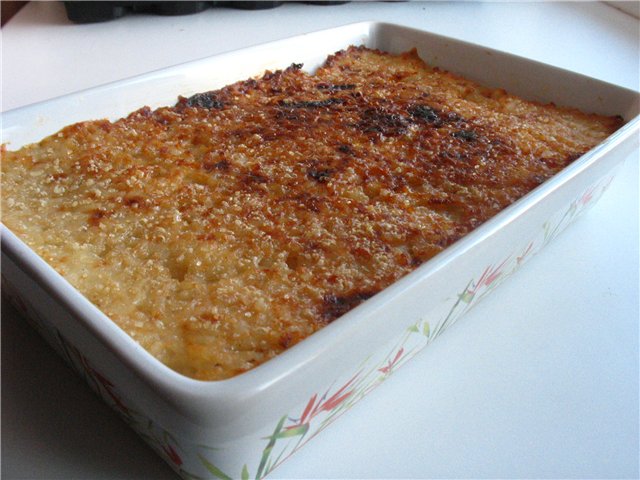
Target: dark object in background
8 9
91 12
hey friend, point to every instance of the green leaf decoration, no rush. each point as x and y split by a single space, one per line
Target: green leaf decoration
414 328
277 429
245 473
277 460
573 207
214 470
466 296
267 450
426 329
293 432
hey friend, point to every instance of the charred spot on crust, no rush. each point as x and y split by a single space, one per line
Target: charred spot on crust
466 135
335 88
204 100
321 175
428 114
345 149
248 84
377 120
433 116
334 306
311 103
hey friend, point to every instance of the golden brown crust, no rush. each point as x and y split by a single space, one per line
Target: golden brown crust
223 230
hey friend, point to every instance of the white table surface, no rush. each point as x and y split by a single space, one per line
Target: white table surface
538 381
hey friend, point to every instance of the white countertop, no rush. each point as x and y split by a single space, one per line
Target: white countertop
539 380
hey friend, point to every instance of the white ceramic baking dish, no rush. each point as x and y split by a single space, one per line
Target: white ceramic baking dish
246 426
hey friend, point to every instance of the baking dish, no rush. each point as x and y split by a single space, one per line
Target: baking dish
246 426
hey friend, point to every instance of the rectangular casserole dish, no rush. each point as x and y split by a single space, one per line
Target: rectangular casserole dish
248 425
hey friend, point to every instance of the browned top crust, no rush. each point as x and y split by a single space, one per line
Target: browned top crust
223 230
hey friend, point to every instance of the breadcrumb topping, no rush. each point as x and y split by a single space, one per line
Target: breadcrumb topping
227 228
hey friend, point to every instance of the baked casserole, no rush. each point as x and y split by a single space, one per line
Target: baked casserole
225 229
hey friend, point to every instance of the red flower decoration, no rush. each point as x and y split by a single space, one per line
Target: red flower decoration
172 454
386 369
324 404
586 197
105 383
488 277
